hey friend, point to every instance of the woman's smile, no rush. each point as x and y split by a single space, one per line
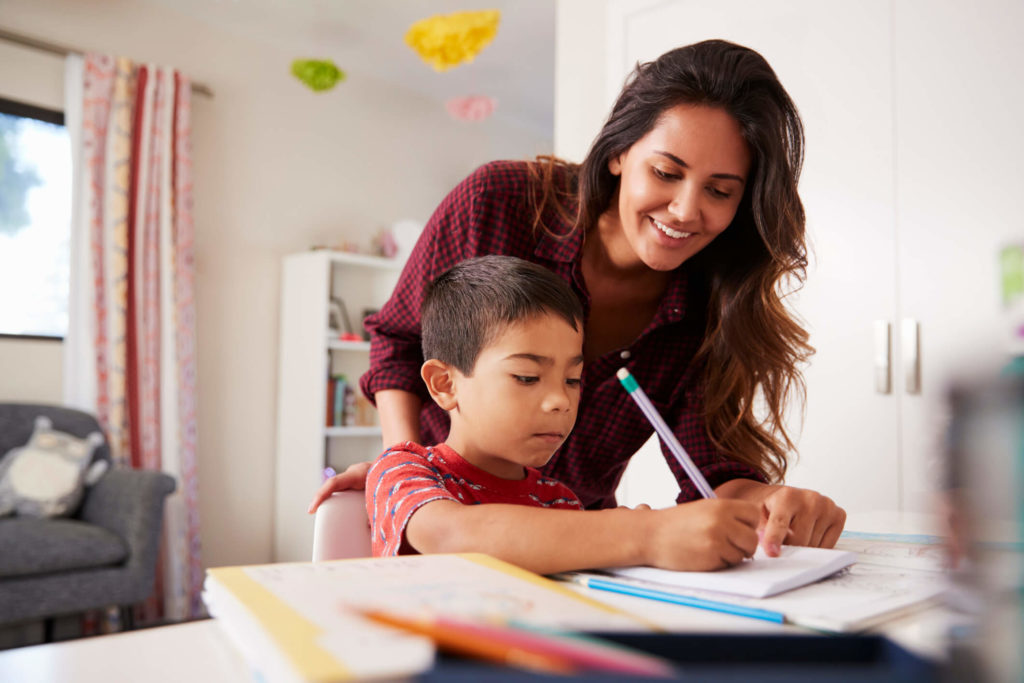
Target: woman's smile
674 234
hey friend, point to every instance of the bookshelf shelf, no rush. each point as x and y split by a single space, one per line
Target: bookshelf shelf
310 354
370 430
340 345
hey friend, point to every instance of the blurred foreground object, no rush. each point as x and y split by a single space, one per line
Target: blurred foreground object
986 515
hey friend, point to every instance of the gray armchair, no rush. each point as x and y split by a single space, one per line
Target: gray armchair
104 555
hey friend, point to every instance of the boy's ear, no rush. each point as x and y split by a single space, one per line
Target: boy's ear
440 383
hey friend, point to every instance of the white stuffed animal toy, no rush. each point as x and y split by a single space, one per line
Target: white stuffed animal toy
47 476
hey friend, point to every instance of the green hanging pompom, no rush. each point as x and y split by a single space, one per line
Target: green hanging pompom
318 74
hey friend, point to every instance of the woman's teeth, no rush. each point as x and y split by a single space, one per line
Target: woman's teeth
674 234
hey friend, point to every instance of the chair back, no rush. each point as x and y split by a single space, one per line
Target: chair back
341 529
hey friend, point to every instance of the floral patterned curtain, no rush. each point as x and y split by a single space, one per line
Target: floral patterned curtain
130 351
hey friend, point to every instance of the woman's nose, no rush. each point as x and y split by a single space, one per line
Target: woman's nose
685 205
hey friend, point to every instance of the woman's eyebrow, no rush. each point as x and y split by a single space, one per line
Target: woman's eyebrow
722 176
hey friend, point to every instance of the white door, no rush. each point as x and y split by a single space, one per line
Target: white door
959 105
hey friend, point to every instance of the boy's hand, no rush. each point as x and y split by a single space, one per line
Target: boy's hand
702 535
352 478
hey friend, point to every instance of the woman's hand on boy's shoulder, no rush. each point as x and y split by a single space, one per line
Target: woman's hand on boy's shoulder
354 477
790 515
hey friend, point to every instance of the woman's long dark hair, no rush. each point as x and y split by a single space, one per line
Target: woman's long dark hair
753 346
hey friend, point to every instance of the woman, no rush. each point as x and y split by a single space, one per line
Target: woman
678 232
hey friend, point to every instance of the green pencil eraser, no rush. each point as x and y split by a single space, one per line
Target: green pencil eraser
627 380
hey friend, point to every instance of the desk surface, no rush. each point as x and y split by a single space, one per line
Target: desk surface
198 651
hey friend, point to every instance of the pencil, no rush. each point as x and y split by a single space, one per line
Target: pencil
464 639
556 648
614 586
651 413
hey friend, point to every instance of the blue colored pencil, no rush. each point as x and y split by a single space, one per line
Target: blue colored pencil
624 588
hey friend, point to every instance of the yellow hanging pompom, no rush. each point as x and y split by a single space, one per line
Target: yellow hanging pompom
447 40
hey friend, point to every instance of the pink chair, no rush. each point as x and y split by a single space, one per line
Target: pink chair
341 529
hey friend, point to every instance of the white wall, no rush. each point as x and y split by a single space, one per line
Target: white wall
277 168
580 75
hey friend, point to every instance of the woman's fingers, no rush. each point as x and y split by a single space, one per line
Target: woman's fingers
801 517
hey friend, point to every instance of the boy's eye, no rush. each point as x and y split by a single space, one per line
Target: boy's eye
526 379
573 381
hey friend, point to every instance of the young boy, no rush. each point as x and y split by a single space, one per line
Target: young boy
503 343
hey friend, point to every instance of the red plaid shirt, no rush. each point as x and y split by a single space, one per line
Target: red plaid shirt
488 213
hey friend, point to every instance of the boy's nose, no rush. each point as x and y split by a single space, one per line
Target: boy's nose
558 399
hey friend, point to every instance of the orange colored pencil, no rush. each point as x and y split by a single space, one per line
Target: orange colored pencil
454 638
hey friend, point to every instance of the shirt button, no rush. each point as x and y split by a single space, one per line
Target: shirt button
625 355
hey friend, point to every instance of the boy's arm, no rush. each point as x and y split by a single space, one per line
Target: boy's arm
697 536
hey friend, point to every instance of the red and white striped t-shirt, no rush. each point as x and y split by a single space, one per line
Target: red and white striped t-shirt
409 475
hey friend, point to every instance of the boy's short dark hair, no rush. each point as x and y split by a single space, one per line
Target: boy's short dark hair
472 302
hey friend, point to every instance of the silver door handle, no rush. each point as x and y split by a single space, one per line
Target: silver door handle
912 355
883 356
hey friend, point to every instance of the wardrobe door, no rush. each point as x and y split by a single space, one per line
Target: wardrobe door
960 144
835 61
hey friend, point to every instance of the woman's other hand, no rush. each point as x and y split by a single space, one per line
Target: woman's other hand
789 515
352 478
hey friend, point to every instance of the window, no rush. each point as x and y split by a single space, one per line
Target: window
35 221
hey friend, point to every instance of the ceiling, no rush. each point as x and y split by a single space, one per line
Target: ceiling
366 37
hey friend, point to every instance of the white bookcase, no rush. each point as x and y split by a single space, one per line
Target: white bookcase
308 354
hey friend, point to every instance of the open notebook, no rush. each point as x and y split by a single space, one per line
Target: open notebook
756 578
890 578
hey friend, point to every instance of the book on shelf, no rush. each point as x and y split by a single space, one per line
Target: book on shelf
346 405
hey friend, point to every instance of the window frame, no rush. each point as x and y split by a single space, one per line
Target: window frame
31 111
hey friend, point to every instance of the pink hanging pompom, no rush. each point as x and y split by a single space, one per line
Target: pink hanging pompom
471 107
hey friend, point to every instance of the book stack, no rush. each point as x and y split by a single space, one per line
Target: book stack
346 407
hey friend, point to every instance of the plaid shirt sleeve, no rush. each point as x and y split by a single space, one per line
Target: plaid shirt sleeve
395 352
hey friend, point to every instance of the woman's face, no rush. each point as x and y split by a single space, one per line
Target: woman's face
680 185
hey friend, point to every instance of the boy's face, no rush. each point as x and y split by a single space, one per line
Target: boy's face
520 403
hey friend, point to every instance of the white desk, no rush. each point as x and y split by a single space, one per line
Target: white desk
195 652
198 652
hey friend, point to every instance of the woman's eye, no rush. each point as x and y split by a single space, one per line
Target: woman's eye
573 381
719 194
526 379
664 175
